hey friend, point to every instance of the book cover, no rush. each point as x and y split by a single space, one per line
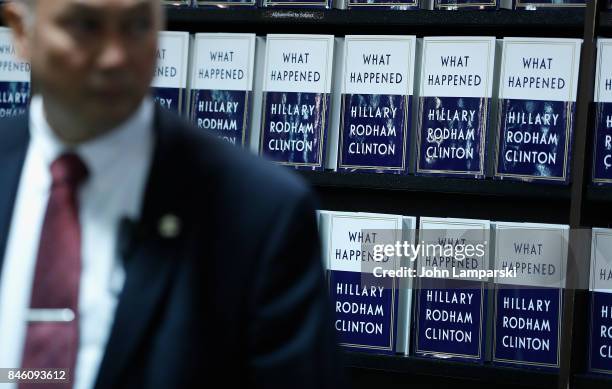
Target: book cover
170 79
296 99
466 4
14 79
376 108
454 105
367 310
320 4
451 311
221 85
529 306
177 3
600 288
602 141
539 79
399 5
539 4
225 3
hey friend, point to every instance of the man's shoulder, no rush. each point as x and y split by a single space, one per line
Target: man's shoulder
229 170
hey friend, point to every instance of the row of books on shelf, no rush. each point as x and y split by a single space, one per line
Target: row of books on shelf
470 107
383 4
467 290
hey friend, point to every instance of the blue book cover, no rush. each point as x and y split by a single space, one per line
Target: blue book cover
602 141
536 4
367 310
296 100
527 326
377 90
466 4
452 308
600 288
169 85
221 85
399 5
529 303
321 4
454 105
177 3
537 94
225 3
14 79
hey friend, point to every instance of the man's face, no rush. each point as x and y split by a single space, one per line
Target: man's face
94 58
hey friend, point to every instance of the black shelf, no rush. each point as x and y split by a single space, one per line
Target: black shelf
605 23
431 373
583 381
599 194
394 182
551 23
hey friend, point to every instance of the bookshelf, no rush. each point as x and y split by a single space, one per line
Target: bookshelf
580 204
446 197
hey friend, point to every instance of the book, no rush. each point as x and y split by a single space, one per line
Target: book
600 290
537 4
377 89
372 314
537 92
170 79
177 3
14 79
602 142
399 5
529 304
466 4
320 4
225 3
454 104
296 96
221 85
451 311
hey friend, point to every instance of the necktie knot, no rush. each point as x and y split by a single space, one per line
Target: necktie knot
68 169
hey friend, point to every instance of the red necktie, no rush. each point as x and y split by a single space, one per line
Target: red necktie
52 339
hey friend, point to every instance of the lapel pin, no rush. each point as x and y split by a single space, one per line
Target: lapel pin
169 226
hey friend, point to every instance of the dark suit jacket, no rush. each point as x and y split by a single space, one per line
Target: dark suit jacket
238 296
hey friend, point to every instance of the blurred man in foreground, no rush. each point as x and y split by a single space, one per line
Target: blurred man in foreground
136 252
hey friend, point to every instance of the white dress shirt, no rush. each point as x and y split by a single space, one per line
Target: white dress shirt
119 164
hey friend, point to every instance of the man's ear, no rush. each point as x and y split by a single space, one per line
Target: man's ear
18 18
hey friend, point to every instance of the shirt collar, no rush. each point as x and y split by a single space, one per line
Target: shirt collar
97 153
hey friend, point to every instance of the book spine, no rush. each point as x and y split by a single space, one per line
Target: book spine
451 136
534 140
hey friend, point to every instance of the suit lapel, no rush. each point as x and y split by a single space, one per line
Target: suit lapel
14 142
156 245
